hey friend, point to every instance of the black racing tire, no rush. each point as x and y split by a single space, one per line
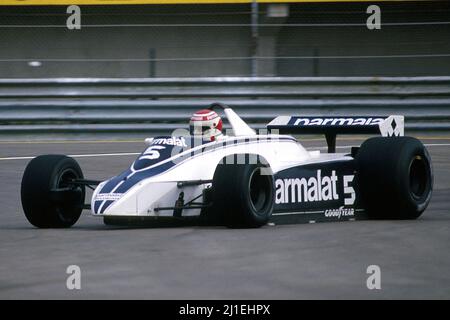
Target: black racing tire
243 191
43 174
395 175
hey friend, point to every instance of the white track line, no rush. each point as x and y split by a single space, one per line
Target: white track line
79 155
346 147
137 153
436 144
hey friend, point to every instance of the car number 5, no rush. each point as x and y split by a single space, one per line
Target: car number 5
348 190
152 153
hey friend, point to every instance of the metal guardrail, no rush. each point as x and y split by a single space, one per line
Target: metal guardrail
159 106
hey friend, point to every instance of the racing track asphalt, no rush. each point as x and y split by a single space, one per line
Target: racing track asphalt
306 261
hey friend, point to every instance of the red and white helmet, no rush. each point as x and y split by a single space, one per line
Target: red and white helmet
206 124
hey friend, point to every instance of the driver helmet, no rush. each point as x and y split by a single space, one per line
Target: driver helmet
206 124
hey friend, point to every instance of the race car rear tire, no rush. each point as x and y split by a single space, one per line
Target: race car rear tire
243 191
395 177
42 176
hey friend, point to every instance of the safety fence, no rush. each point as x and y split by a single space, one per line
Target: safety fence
158 106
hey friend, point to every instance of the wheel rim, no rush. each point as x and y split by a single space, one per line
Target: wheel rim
65 211
418 178
259 191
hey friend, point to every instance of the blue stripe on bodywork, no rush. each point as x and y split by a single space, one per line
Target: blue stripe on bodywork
112 183
97 205
106 205
139 176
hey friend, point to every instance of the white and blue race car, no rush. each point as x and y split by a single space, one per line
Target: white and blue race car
245 179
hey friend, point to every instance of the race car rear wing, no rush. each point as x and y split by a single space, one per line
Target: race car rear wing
332 126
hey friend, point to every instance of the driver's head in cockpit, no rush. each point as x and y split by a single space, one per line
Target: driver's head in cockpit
206 124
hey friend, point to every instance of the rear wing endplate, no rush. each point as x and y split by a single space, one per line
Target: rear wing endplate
393 125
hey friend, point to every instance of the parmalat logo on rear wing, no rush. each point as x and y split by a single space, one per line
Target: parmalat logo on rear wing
386 126
296 121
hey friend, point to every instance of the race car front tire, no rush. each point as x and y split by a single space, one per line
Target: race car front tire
43 175
242 191
395 177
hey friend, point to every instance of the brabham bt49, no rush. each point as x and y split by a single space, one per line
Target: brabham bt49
244 179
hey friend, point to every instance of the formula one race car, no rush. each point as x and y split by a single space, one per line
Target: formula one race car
245 179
